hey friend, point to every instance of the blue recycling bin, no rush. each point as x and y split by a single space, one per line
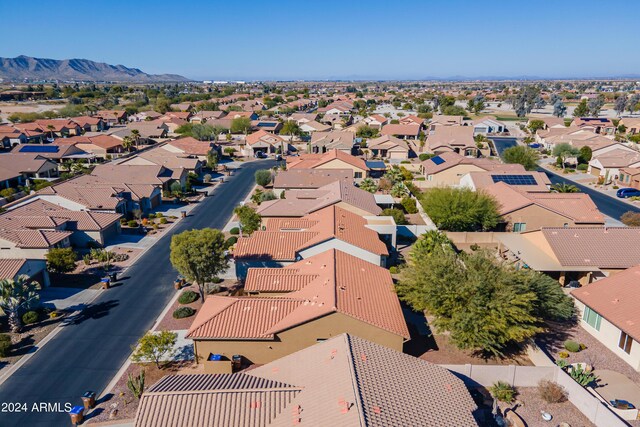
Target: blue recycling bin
215 357
77 414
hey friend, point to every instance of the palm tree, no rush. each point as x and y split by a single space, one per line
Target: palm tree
564 188
136 136
50 128
16 295
127 143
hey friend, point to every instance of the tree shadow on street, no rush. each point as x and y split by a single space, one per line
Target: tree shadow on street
92 311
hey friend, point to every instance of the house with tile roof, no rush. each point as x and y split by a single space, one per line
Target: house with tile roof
343 381
321 296
90 123
322 142
16 169
599 125
179 162
608 310
390 147
191 147
333 159
87 228
525 211
101 145
308 179
282 241
573 255
446 169
113 117
376 121
34 269
265 142
403 131
528 181
458 139
342 193
609 164
488 126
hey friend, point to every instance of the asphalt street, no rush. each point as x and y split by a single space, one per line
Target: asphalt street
88 352
608 205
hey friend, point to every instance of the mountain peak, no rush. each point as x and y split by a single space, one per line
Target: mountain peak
28 68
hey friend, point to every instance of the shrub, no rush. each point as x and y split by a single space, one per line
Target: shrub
397 214
159 215
206 178
61 260
572 346
582 167
163 220
502 391
393 270
86 259
123 221
563 355
230 242
235 231
409 205
5 343
151 216
132 223
551 392
187 297
30 317
182 312
582 347
263 177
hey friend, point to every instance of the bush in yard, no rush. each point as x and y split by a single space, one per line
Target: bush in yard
183 312
61 260
235 231
263 177
163 220
187 297
425 156
631 219
397 214
230 241
502 391
583 346
393 270
563 355
582 167
30 317
409 205
572 346
155 346
133 223
551 392
159 215
460 209
5 343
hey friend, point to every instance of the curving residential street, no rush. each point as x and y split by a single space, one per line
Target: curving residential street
88 352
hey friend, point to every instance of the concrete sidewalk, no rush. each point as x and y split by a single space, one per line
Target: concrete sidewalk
67 298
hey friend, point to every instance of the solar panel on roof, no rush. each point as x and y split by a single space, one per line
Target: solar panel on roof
515 179
39 149
437 160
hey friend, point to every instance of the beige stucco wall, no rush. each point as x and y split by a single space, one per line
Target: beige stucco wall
609 335
536 217
297 338
339 164
451 176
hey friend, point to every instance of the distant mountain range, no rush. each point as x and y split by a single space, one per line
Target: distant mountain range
26 68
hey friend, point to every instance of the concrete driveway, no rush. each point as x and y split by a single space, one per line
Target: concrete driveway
614 385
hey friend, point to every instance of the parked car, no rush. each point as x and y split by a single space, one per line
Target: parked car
624 193
260 155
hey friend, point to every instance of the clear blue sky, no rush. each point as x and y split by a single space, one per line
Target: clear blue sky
307 39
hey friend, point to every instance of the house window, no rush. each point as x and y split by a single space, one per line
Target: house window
625 342
357 175
592 318
519 227
429 177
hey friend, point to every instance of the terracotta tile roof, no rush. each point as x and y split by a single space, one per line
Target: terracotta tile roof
91 191
32 239
343 381
9 268
48 214
283 239
388 142
485 179
616 299
618 158
15 164
339 140
286 279
342 283
441 119
312 161
133 174
450 159
401 129
303 202
192 146
601 247
576 206
264 137
450 137
310 178
86 120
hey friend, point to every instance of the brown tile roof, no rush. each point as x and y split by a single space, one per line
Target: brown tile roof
14 164
336 282
312 161
44 212
451 137
310 178
264 137
283 239
441 119
601 247
133 174
484 179
192 146
86 120
340 140
576 206
32 239
401 129
9 268
616 299
388 142
450 159
343 381
302 202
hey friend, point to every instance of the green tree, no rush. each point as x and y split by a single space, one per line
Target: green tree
394 175
535 125
153 347
135 133
564 188
199 255
399 190
460 209
366 132
249 219
290 127
61 260
585 154
203 132
127 143
525 156
582 109
369 185
484 305
240 125
564 151
397 214
263 177
212 159
15 296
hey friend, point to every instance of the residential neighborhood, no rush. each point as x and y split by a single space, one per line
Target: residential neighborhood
408 232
